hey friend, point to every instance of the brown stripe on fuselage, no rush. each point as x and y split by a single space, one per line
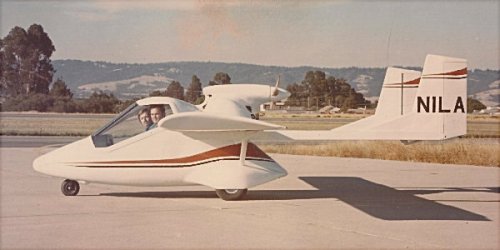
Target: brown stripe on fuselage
227 151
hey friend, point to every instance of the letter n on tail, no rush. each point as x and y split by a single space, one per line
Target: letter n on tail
421 103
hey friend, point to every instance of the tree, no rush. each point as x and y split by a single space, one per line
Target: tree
35 101
100 102
318 90
13 53
59 89
220 78
40 51
158 93
298 95
339 100
474 104
26 65
123 104
175 90
1 68
194 90
62 97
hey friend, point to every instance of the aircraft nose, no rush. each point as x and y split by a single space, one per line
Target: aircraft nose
40 164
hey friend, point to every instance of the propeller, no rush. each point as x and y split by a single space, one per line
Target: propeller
276 91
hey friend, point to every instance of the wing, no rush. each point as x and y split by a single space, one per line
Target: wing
206 122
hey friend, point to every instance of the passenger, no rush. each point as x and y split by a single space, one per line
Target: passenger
144 117
157 113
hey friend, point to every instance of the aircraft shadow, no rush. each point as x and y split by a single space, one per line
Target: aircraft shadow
374 199
388 203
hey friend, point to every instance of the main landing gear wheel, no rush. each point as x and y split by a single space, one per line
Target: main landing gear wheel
70 187
231 194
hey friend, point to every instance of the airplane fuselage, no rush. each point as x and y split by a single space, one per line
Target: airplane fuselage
136 162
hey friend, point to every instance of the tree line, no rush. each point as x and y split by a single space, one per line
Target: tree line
317 91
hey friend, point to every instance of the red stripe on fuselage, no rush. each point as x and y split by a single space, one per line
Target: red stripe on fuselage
412 82
459 72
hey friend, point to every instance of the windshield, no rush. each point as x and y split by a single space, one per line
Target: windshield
124 114
128 123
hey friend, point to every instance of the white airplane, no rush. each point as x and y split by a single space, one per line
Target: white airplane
209 144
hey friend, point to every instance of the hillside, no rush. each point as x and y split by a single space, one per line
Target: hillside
135 80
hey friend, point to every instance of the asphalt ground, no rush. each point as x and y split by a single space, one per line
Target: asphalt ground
324 202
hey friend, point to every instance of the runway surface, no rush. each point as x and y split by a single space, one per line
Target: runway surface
324 202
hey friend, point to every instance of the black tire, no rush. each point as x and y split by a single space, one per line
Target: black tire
70 187
231 194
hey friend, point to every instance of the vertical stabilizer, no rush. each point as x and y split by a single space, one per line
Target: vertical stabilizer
441 100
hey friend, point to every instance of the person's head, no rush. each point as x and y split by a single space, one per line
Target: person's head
157 112
144 117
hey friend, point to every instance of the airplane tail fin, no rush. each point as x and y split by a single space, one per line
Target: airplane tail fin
429 107
441 100
400 86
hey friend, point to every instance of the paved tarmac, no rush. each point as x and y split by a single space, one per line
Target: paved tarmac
325 202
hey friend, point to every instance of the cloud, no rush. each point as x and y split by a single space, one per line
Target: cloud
207 26
104 10
121 6
117 6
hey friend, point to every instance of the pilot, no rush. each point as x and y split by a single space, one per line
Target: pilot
157 113
144 117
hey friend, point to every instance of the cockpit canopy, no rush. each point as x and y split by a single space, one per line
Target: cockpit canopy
127 123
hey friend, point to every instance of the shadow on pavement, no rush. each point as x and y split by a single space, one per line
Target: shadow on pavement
374 199
387 203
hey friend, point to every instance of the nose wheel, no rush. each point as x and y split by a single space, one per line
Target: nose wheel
70 187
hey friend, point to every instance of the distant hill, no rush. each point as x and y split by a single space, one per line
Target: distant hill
135 80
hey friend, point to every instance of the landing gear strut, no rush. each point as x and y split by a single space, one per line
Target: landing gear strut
70 187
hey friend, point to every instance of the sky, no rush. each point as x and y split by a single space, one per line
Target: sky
281 33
